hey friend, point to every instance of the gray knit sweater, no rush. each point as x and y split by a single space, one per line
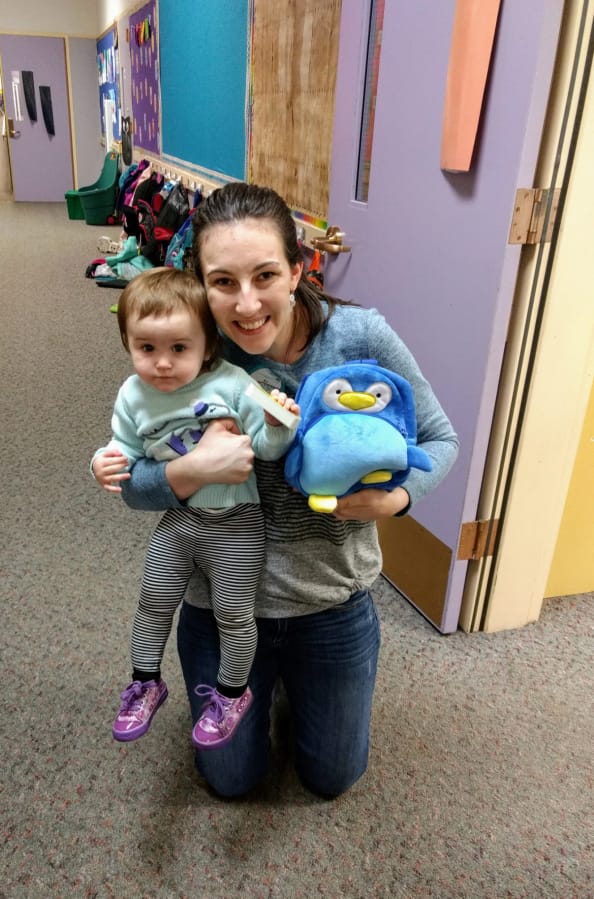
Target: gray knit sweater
314 561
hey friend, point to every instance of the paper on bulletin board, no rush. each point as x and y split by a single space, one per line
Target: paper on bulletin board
109 119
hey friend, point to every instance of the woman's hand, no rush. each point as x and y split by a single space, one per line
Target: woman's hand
222 456
109 468
371 504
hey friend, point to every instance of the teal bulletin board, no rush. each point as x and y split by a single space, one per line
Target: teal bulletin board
204 62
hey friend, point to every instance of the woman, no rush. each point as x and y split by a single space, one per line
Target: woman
317 626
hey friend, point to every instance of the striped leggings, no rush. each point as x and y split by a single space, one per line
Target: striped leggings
229 547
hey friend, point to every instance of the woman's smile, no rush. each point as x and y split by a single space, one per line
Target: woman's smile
252 326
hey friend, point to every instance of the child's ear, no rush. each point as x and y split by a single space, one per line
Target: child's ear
210 359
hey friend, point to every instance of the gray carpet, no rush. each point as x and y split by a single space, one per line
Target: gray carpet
480 778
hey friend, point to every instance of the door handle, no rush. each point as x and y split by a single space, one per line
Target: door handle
11 131
332 242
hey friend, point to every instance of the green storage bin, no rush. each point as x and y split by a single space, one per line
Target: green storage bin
98 200
74 205
98 206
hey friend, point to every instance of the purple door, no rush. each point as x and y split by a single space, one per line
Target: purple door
429 249
36 98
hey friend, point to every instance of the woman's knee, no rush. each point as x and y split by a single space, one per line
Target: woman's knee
229 780
330 783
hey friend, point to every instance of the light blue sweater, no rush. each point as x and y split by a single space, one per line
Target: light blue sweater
314 561
148 423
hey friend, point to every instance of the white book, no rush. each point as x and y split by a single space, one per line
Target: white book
288 419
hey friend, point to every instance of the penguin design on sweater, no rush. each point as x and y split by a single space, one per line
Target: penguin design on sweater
357 429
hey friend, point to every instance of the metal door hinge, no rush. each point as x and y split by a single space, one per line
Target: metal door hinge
532 208
477 539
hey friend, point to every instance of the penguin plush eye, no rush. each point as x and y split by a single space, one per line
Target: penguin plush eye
332 392
383 396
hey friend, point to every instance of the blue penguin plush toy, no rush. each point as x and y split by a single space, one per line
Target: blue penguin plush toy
358 429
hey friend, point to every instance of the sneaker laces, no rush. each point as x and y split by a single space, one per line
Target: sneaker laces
132 698
215 702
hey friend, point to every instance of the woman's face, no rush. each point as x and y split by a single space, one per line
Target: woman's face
248 282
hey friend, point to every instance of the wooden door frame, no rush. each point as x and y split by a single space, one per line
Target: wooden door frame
549 363
5 160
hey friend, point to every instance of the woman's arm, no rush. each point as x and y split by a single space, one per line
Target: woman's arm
222 456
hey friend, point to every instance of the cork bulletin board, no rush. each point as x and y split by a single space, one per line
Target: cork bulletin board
293 71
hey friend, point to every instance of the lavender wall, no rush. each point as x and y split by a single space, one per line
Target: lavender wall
89 152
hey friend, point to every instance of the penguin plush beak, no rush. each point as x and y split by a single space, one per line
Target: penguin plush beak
356 400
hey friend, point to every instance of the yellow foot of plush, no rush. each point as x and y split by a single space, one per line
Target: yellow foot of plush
377 477
322 503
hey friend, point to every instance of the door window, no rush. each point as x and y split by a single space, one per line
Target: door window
374 43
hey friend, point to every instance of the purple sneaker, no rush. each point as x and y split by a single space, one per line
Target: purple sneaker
140 701
220 717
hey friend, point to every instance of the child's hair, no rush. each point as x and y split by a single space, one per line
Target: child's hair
160 291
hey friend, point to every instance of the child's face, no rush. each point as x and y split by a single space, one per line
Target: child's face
167 350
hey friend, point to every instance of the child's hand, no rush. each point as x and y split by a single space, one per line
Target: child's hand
109 469
287 402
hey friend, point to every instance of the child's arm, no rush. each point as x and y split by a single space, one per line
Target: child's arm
112 463
269 441
109 468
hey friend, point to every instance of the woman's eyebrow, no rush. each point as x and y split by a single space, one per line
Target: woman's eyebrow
261 265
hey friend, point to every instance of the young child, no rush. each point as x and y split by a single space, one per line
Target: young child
180 385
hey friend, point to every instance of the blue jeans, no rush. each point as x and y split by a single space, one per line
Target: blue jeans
327 663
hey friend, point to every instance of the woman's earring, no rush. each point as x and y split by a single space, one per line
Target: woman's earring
291 299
